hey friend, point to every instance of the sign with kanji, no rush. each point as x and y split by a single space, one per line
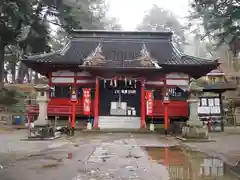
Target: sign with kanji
86 101
149 102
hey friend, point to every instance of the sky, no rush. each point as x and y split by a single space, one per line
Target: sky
131 12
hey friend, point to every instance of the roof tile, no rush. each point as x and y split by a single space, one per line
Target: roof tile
120 52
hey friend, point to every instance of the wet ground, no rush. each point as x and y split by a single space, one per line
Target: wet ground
113 156
186 164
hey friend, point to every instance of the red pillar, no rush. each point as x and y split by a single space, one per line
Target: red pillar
165 103
165 116
96 103
143 113
73 115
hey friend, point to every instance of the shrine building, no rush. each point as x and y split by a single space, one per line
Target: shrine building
119 79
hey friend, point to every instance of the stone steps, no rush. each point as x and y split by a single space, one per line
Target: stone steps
119 122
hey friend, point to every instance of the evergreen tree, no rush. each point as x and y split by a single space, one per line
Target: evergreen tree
219 18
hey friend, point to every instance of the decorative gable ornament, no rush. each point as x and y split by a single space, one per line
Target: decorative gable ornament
95 58
145 58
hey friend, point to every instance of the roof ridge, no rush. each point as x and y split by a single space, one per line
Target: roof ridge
118 32
94 39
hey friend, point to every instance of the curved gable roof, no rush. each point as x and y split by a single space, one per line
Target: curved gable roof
121 50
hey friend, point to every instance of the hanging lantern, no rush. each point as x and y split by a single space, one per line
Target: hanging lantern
135 85
111 82
130 82
125 80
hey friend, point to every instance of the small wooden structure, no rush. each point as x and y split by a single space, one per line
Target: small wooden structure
211 107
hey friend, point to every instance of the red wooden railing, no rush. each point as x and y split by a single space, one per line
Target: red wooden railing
63 108
175 108
60 107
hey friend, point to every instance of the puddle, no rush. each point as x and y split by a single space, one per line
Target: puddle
184 164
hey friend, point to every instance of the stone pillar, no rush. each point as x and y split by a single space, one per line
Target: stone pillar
194 127
237 115
42 100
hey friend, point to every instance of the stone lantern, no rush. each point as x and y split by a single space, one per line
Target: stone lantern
42 100
194 127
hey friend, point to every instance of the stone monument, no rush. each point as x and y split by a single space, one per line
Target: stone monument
42 100
194 127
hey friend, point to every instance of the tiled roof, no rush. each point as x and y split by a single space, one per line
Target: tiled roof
179 58
122 51
220 86
216 72
117 53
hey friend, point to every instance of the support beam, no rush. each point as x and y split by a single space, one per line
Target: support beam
96 103
143 112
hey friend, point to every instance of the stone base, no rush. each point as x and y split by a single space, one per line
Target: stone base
41 123
194 123
37 138
194 132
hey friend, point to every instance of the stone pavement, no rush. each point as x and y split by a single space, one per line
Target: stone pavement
87 157
124 159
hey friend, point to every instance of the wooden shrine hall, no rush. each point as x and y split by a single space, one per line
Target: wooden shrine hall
119 79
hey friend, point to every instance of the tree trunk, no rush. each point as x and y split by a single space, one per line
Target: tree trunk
22 72
13 71
5 76
31 75
2 51
28 76
36 79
